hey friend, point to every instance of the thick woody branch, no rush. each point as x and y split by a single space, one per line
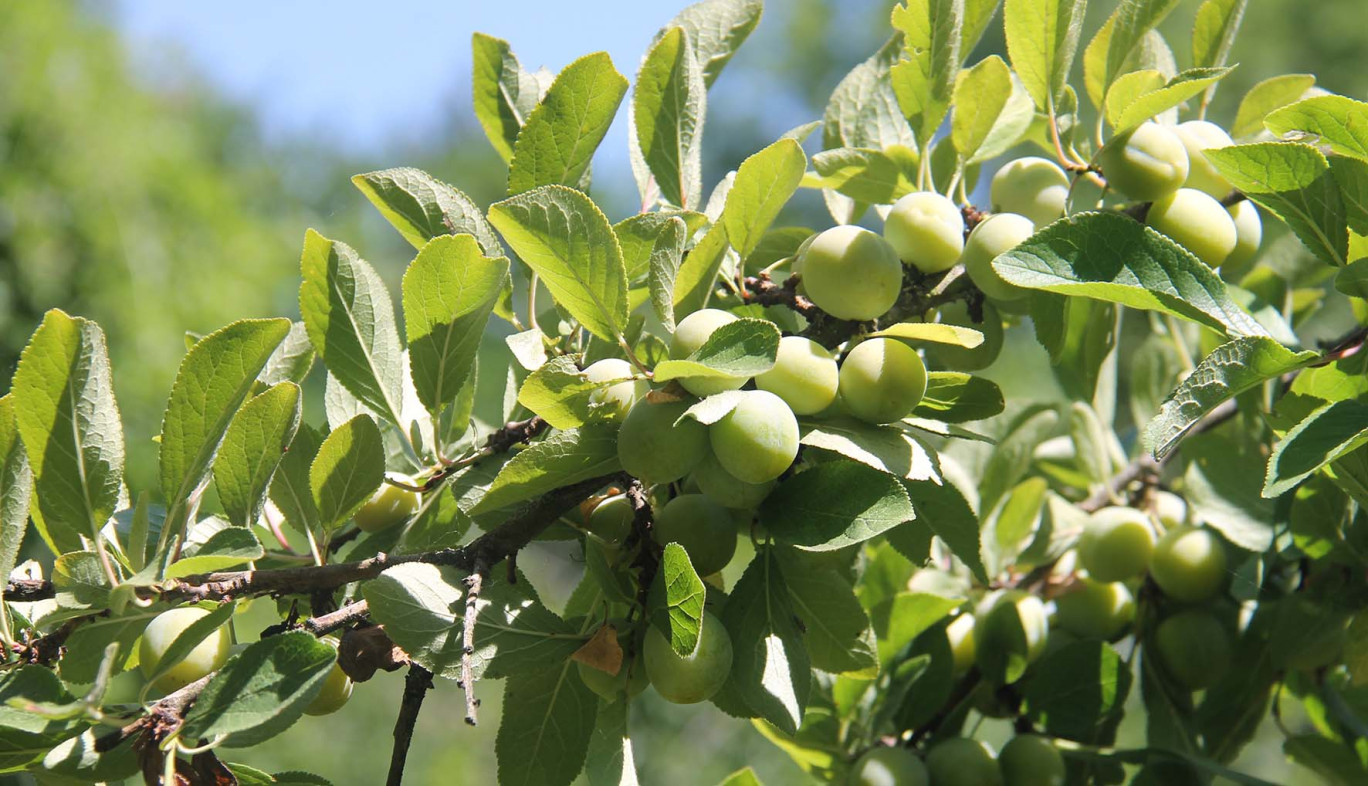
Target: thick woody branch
327 623
28 590
416 685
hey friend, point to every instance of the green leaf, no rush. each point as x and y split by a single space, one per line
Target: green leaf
63 399
923 82
770 669
85 647
905 616
836 629
515 633
290 362
954 397
227 548
1119 38
667 254
1076 689
262 691
1222 485
1266 97
252 449
1214 31
1293 182
676 602
742 777
742 348
422 207
351 324
26 736
1127 109
885 448
1228 371
609 761
1012 458
290 489
1329 433
942 508
668 109
863 109
548 719
639 235
934 332
877 177
421 611
562 133
1042 39
16 492
1109 257
559 393
1351 174
563 236
834 505
79 581
764 183
991 112
561 459
1336 121
504 94
349 468
449 291
1332 760
716 29
190 637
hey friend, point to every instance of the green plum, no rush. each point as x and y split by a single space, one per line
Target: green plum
994 236
960 632
717 483
926 230
1196 222
388 506
804 375
631 677
1194 648
851 273
960 761
691 678
758 439
1248 236
703 527
1010 633
1199 136
1145 163
1031 760
1116 544
889 766
1189 564
1033 187
962 358
693 332
336 691
1169 508
207 656
1096 609
617 399
882 380
656 449
611 519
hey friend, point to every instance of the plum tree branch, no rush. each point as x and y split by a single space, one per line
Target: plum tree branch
417 683
474 583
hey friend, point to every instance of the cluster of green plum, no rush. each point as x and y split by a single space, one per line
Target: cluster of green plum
1026 760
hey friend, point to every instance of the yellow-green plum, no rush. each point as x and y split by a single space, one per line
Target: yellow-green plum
656 449
1033 187
618 398
388 506
963 358
994 236
888 766
1199 136
694 677
703 527
336 691
1194 648
209 655
1169 508
693 332
758 439
1248 236
1031 760
804 375
611 519
1145 163
1096 609
1009 634
851 273
725 488
882 380
960 761
631 678
1116 544
960 633
1189 564
926 230
1196 222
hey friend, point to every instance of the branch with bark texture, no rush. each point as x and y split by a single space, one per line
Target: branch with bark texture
417 683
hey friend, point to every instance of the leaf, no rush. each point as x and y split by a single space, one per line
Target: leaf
16 492
1351 174
1109 257
716 29
933 332
1214 31
1266 97
868 175
1293 182
676 602
639 236
764 183
743 348
609 761
1229 370
290 489
923 81
251 451
79 581
1075 689
836 629
834 505
1106 56
63 400
351 323
1327 434
422 207
262 691
563 236
86 646
504 94
290 362
449 291
863 110
1336 121
1222 485
349 468
563 131
26 736
559 392
905 616
1012 459
666 256
742 777
942 508
1042 39
885 448
1126 110
548 719
991 112
227 548
770 669
561 459
954 397
515 633
190 637
668 109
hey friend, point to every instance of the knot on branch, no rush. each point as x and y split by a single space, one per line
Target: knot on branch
363 651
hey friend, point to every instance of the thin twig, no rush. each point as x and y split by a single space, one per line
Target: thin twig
327 623
28 590
416 685
474 583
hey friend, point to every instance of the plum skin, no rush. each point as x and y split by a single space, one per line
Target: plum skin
994 236
693 332
758 439
656 449
882 380
695 677
1189 564
1031 760
1096 609
889 766
617 398
1116 544
804 375
1196 222
207 656
961 761
1194 648
1145 163
703 527
1031 186
1197 137
388 506
851 273
926 230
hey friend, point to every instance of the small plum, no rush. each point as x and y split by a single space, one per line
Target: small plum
207 656
691 678
926 230
1199 136
882 380
1189 564
994 236
703 527
1116 544
1033 187
617 398
758 439
656 449
804 375
693 332
1145 163
388 506
1196 222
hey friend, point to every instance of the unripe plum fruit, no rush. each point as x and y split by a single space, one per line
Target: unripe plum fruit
1009 634
1248 236
960 761
1171 509
926 230
804 375
889 766
619 398
1116 544
758 439
727 489
964 358
1033 187
611 519
960 632
209 655
1194 648
1197 137
630 678
851 273
1196 222
882 380
694 677
652 447
1096 609
994 236
693 332
1145 163
1189 564
388 506
703 527
336 691
1031 760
